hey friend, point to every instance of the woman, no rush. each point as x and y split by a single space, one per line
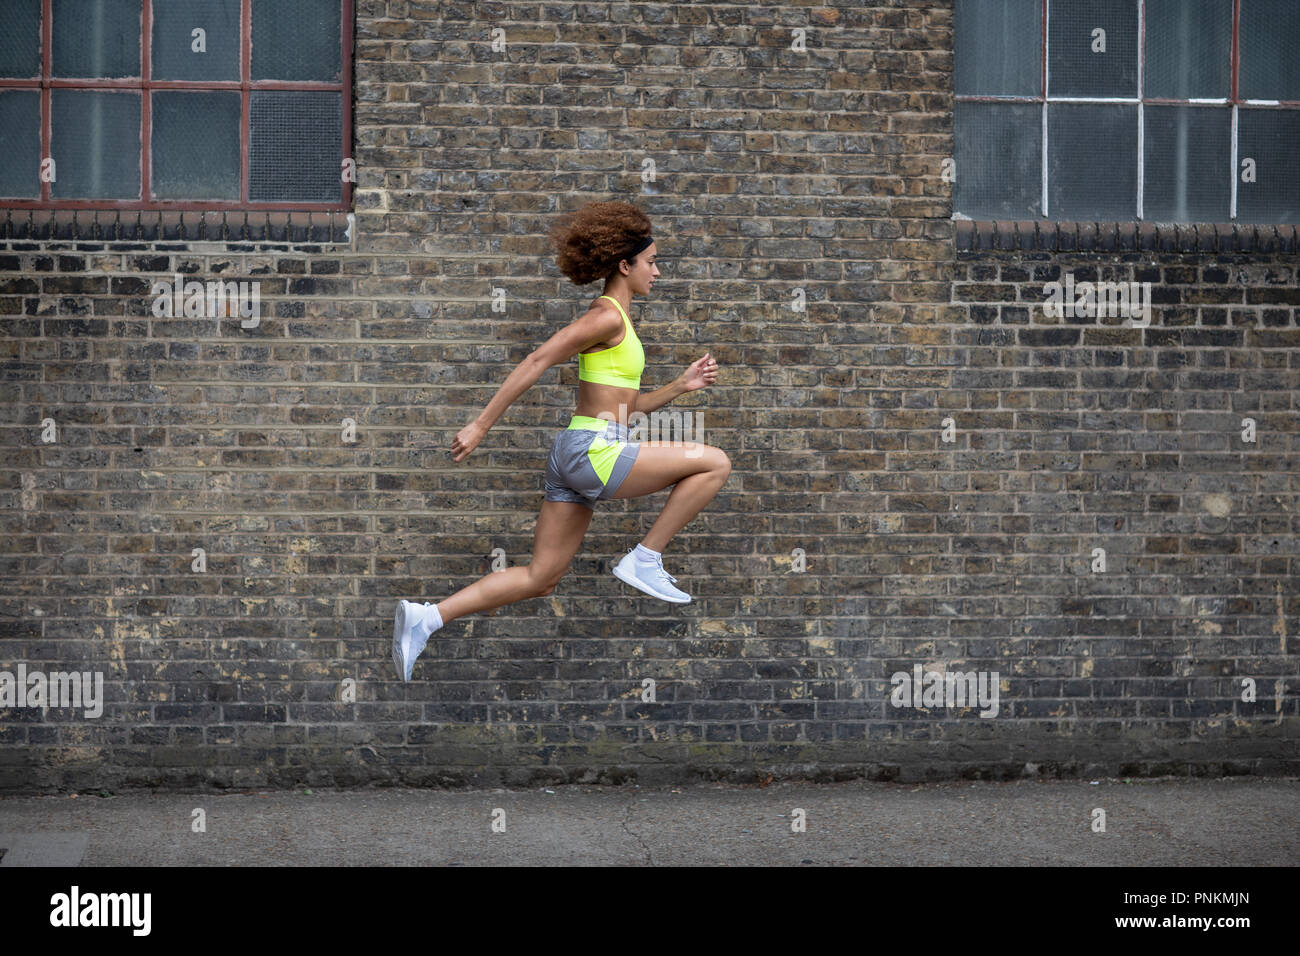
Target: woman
591 459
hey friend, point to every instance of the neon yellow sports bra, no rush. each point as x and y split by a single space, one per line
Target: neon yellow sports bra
621 365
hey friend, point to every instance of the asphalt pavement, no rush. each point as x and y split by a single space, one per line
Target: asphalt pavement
1238 821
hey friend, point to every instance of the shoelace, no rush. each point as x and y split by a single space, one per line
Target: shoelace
659 561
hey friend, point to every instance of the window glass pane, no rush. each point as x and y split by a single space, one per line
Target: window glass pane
1270 50
99 39
1270 138
195 144
1092 162
20 139
1188 164
296 146
20 38
1189 49
180 55
999 47
999 160
1092 48
297 40
96 144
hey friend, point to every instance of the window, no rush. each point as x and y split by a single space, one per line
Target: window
1171 111
176 104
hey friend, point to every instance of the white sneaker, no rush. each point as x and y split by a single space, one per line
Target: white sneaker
649 577
406 645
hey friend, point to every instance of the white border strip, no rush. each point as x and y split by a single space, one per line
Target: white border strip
1094 99
1142 126
1047 89
1232 212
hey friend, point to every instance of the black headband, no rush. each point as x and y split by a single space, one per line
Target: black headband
641 244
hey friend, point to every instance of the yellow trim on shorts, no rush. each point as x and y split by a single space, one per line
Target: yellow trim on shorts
602 455
586 421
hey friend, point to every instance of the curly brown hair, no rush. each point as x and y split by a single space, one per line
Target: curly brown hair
590 243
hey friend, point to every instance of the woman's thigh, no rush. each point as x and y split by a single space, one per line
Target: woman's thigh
561 526
660 464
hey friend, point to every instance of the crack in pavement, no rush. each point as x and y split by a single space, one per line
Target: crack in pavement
636 836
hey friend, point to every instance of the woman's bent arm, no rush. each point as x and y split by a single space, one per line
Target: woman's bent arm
703 371
649 401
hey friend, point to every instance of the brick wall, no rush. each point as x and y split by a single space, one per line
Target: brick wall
776 171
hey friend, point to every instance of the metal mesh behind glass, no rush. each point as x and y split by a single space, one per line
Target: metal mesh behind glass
20 142
1073 68
1270 138
1187 163
1270 50
95 141
999 47
999 160
1092 162
174 23
195 144
297 40
99 39
1189 49
20 38
296 146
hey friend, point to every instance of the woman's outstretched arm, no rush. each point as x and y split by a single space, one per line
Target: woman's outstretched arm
596 326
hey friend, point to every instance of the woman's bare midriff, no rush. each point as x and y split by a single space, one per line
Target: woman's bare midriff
616 403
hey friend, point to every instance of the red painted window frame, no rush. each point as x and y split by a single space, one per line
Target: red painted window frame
1234 102
145 84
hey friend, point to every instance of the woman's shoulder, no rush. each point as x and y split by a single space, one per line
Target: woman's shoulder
601 305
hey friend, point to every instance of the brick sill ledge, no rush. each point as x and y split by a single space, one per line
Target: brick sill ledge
1203 239
41 225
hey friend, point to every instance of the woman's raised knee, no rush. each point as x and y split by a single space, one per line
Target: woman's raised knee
720 461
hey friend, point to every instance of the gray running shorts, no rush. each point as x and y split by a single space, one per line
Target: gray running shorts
588 460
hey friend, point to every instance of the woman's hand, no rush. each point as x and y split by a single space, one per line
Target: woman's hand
700 373
467 440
